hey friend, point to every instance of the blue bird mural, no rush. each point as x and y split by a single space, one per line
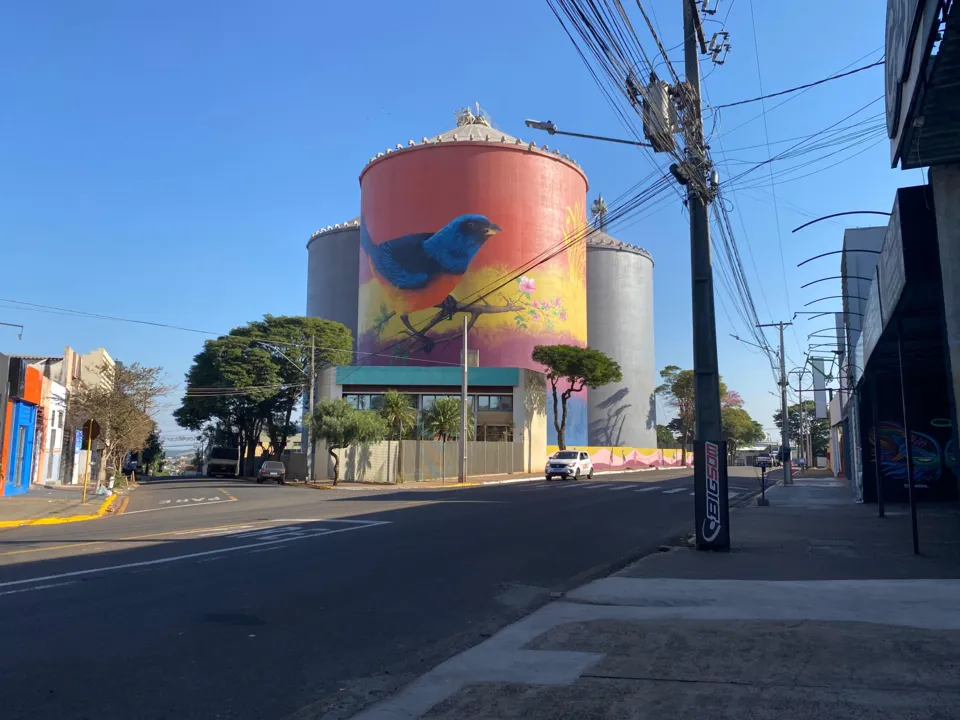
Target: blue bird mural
428 266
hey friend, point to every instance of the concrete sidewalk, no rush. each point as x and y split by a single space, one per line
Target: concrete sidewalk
820 610
50 506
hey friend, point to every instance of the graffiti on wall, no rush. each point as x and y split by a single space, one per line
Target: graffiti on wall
627 458
931 461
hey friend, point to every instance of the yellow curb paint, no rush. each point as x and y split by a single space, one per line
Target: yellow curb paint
101 511
123 506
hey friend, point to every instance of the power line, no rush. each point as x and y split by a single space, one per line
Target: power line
800 87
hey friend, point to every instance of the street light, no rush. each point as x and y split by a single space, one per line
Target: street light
550 127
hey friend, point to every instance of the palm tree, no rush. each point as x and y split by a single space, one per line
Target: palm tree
443 422
400 417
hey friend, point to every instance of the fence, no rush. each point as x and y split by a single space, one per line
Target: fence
426 460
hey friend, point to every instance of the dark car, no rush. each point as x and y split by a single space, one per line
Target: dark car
272 470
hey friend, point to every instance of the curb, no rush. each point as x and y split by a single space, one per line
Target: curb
101 511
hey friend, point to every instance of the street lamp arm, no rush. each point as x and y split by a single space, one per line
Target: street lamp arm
837 252
550 127
849 212
834 297
836 277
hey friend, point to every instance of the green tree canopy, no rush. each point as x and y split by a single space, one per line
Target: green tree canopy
739 429
665 436
678 390
579 367
442 419
340 425
819 429
401 418
249 381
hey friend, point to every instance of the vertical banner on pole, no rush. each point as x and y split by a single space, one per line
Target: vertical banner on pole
819 389
712 507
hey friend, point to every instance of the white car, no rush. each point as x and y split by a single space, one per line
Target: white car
569 464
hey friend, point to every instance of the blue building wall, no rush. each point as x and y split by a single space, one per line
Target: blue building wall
21 432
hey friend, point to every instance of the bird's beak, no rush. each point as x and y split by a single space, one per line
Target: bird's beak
492 230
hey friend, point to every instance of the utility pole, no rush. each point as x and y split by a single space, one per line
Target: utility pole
306 425
711 504
705 365
463 408
784 418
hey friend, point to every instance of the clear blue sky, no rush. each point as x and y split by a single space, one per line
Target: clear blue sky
144 143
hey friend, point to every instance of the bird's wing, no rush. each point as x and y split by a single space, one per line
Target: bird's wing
403 262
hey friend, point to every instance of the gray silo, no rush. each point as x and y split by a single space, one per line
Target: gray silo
333 271
620 324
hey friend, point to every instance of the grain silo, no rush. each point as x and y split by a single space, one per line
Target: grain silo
473 223
333 262
620 324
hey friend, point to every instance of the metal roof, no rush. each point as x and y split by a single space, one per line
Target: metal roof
330 229
934 138
472 128
598 238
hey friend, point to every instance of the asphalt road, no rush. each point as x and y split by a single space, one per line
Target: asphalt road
223 599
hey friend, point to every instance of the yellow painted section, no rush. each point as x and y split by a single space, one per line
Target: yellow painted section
101 511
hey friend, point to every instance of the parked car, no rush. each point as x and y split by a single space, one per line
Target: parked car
272 470
569 464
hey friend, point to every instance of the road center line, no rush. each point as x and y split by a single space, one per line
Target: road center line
595 487
177 507
675 490
625 487
39 587
175 558
647 489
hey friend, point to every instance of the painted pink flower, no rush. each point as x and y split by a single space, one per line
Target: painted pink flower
528 285
563 315
557 302
535 315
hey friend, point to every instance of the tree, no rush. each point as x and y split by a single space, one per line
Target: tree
153 454
400 416
442 420
337 423
819 429
731 399
250 381
677 390
739 429
578 367
120 404
665 436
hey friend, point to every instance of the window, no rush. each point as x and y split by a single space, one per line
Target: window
354 400
375 403
494 402
428 401
565 455
583 456
506 403
483 402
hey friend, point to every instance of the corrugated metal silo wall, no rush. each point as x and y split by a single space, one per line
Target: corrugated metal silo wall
536 199
332 270
620 324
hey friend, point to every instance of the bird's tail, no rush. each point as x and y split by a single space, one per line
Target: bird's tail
365 242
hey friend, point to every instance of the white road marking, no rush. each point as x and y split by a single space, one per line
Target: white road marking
591 486
731 495
39 587
270 549
647 489
692 494
675 490
210 531
188 556
176 507
625 487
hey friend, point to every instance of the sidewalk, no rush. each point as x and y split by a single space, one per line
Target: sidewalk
820 610
50 506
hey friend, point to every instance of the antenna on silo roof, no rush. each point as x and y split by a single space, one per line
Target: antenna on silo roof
466 116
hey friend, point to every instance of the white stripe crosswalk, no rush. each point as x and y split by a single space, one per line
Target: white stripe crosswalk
616 487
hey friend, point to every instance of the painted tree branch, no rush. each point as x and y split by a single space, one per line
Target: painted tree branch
446 311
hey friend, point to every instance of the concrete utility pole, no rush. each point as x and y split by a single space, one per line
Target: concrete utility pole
306 425
784 418
463 409
705 366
